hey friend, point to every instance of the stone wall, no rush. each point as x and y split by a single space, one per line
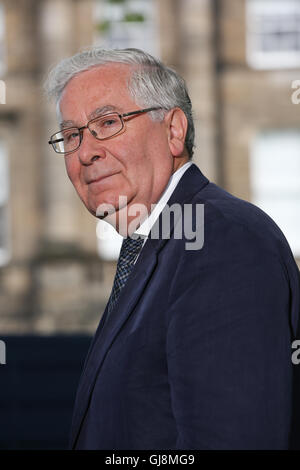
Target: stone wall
55 281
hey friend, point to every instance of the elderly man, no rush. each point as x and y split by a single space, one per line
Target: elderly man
194 348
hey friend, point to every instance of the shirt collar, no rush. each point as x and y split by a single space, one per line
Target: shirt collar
148 223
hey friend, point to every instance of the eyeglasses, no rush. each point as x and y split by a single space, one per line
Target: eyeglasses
102 127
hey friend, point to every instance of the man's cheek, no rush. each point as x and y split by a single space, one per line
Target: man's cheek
68 167
71 171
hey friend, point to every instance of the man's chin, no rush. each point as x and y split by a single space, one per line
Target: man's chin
104 210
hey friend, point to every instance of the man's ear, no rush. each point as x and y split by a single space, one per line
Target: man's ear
177 128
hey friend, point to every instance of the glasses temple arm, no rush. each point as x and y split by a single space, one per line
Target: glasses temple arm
140 111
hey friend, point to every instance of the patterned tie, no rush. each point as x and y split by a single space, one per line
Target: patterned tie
129 251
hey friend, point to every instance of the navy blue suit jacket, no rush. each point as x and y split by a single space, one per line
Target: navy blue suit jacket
197 352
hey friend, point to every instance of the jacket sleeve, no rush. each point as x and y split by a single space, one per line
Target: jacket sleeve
229 346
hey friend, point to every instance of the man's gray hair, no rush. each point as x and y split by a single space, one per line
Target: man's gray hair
151 82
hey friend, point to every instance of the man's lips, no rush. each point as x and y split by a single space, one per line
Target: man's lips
100 178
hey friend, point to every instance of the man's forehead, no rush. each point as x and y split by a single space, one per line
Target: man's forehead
111 79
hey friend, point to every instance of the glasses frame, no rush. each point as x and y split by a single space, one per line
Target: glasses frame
52 141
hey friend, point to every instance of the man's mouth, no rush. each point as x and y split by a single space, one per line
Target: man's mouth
100 178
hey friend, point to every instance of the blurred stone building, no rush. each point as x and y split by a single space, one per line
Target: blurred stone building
240 59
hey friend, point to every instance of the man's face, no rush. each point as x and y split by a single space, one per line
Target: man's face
136 164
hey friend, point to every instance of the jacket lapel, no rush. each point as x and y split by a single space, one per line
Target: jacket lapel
191 182
107 331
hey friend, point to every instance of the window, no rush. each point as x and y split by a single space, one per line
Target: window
275 180
4 211
273 33
126 23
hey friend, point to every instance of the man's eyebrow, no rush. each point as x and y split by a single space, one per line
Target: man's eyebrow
97 112
102 110
65 124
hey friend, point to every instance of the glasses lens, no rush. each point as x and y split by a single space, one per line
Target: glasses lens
106 126
66 141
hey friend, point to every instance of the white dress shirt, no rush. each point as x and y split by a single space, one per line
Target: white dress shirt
147 224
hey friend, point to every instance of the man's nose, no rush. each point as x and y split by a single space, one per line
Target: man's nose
90 148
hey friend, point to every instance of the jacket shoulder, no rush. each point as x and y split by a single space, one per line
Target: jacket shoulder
244 220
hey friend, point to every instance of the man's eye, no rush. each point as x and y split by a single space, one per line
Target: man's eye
68 137
109 122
